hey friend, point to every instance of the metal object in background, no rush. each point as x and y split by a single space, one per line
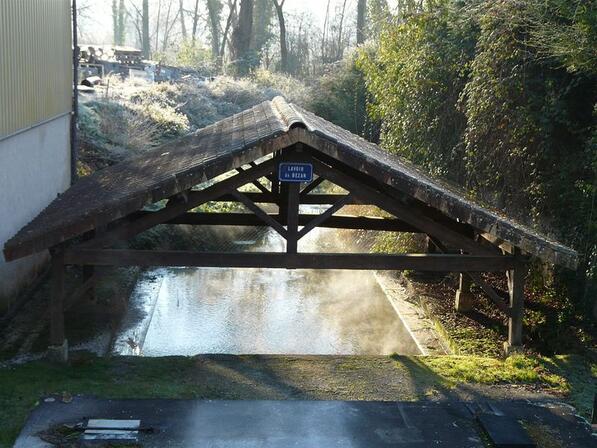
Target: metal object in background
35 63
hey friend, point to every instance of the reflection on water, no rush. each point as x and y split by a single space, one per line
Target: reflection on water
187 311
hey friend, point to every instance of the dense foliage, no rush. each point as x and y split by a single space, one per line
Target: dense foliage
500 97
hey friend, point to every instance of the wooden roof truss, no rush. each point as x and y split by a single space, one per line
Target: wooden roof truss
459 248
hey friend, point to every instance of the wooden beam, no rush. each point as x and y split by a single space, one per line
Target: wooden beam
267 219
310 199
420 262
249 219
258 198
321 218
195 198
312 186
412 217
292 221
516 277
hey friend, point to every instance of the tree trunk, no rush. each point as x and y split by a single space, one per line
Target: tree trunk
157 27
115 22
241 38
183 26
283 43
214 9
231 15
361 21
340 45
195 22
262 18
145 33
323 36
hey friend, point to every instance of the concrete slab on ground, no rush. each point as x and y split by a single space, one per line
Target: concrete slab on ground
301 423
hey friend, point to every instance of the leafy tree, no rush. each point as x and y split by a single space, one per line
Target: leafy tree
500 96
415 80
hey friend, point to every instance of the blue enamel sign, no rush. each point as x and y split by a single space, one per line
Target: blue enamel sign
295 172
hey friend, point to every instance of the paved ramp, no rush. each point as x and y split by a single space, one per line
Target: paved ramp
301 424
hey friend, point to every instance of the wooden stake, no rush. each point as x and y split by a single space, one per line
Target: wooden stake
464 298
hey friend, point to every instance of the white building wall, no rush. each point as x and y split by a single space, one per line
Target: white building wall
34 169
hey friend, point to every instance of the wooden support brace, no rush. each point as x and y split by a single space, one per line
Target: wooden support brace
256 182
319 219
88 274
465 302
87 285
312 186
267 219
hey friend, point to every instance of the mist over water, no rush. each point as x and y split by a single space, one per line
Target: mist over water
186 311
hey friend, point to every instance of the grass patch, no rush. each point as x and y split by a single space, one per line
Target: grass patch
22 386
517 369
569 375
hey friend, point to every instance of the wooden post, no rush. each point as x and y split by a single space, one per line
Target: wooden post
58 349
464 298
292 218
516 279
283 203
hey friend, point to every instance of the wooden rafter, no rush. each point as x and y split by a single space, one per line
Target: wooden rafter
412 217
195 199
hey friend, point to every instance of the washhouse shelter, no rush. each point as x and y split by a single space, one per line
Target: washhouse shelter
285 153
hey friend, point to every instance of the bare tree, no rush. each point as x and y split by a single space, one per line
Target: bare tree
168 25
231 16
339 44
241 38
118 21
279 5
140 21
145 43
361 19
263 12
183 26
214 11
323 35
157 26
